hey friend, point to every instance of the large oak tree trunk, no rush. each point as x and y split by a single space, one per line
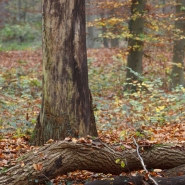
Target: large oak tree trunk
66 101
62 157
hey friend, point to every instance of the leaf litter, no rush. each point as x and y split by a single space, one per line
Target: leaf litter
150 117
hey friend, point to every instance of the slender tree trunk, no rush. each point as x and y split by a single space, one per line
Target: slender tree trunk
24 13
105 40
135 44
19 10
177 74
90 30
90 33
66 101
2 13
104 29
93 32
115 41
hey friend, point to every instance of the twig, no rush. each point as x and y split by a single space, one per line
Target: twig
142 162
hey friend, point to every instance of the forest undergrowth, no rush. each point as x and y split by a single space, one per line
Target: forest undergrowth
153 116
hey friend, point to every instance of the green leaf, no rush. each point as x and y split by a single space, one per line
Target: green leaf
122 147
117 161
122 164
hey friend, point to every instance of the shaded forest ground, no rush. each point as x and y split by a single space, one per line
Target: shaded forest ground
152 117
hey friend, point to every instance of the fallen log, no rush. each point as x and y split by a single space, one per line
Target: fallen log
66 156
176 171
139 180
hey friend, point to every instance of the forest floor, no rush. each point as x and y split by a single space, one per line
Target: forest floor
155 116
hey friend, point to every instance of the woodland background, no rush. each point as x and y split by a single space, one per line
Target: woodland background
153 116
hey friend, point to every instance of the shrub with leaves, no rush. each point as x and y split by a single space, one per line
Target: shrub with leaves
20 33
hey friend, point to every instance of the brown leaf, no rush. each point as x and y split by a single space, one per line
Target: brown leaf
37 167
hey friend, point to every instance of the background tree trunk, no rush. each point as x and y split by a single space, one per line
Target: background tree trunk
62 157
135 44
19 10
114 41
2 13
92 39
104 29
177 74
66 103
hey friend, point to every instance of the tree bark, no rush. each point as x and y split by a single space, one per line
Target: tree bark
92 37
66 156
104 29
114 42
177 74
139 180
66 104
135 44
2 13
115 30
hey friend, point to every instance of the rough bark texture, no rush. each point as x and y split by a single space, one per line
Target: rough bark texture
62 157
135 44
139 180
66 105
177 75
176 171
